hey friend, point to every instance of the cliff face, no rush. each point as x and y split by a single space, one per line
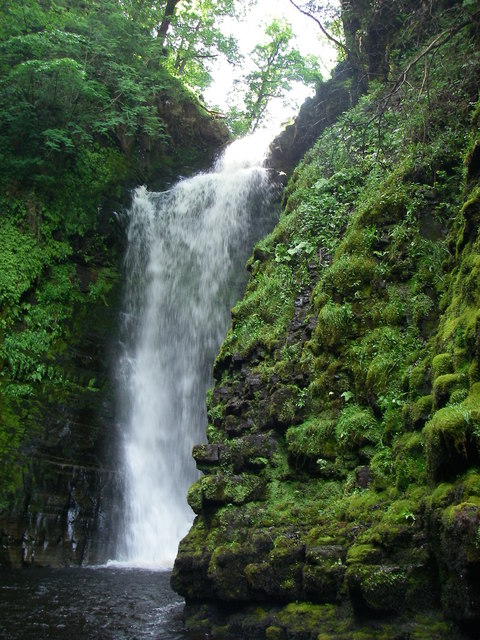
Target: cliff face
341 487
59 294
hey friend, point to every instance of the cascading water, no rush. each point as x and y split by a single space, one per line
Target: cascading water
184 269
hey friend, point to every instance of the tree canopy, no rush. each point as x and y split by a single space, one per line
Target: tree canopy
276 64
72 72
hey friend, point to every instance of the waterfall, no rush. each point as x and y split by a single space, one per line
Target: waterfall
184 270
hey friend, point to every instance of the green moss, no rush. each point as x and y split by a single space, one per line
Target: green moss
459 321
349 276
334 323
458 396
363 553
215 411
459 512
383 587
194 496
275 633
379 374
312 439
356 427
262 316
471 483
382 467
304 616
474 372
441 495
416 414
388 205
445 442
418 378
285 402
410 463
378 360
445 385
442 364
471 404
363 506
428 627
227 489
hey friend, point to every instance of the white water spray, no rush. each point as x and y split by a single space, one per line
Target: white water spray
184 264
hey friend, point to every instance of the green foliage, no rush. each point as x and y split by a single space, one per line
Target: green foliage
71 78
195 39
22 262
277 65
378 359
266 309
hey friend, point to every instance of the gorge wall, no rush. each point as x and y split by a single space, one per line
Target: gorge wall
340 495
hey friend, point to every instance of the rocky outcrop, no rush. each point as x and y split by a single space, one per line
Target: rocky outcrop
191 138
340 497
331 99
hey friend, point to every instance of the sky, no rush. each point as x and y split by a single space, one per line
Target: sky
249 33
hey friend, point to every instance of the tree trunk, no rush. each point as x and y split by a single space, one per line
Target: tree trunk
167 17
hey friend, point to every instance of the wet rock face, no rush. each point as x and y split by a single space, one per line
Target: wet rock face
252 543
193 137
56 519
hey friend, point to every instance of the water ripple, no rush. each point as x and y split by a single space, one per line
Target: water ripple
89 604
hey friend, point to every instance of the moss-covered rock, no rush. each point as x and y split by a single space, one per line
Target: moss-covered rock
355 352
445 439
416 414
379 588
444 386
217 490
312 445
324 573
442 364
356 428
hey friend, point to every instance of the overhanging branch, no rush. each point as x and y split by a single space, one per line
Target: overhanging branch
322 29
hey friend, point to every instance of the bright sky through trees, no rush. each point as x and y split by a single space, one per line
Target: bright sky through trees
250 32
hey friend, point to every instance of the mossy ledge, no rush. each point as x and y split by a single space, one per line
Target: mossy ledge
341 496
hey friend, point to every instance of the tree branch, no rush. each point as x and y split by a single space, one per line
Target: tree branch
322 29
435 44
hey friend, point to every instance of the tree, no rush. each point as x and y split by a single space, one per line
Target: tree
196 38
155 16
187 34
277 64
166 20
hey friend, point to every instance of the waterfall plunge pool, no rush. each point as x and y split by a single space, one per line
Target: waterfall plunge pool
94 603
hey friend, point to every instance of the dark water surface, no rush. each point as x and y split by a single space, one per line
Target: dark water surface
89 604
